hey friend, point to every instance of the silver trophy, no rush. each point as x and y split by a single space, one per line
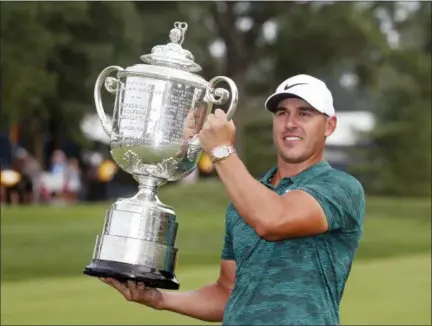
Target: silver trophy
159 109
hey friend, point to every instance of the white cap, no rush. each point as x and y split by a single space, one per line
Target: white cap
308 88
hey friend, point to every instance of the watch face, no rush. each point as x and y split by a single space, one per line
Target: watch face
220 152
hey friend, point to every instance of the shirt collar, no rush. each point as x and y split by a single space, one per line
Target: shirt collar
308 173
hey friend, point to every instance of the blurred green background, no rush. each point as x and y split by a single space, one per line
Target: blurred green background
374 56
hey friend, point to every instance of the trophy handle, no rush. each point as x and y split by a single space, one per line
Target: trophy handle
111 85
219 96
216 96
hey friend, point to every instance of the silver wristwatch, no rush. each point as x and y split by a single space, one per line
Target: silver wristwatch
221 152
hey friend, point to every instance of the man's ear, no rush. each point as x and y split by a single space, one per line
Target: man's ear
330 125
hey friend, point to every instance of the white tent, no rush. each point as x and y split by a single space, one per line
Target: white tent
92 128
349 123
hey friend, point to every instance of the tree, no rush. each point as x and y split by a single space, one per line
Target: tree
27 44
400 159
52 53
72 42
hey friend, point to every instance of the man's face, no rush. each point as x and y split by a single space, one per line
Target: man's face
299 131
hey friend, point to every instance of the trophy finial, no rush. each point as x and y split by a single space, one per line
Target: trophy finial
177 34
172 54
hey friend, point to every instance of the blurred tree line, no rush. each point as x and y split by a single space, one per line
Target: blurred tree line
52 52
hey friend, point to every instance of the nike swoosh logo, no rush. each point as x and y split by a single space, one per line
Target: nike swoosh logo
291 86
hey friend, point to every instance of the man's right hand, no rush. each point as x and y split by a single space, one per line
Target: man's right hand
137 292
207 303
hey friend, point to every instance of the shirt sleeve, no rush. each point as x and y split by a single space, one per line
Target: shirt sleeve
228 250
342 198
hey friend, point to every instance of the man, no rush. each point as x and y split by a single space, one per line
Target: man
291 237
28 185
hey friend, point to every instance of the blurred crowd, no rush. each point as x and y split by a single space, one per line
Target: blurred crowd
66 179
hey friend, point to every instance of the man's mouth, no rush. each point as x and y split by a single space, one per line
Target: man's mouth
291 138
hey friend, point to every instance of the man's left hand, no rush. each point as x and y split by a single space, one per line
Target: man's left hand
217 131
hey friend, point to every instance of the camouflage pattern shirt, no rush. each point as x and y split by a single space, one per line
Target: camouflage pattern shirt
298 281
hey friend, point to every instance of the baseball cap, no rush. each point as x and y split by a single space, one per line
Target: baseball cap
310 89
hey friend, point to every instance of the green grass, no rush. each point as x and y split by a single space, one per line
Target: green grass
44 249
394 291
58 241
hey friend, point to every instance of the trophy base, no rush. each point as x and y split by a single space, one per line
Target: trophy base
126 272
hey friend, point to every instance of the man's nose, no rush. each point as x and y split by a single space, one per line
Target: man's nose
290 122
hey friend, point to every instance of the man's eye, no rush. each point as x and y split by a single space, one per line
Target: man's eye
279 113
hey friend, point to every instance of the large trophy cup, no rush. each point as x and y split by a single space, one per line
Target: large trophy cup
159 109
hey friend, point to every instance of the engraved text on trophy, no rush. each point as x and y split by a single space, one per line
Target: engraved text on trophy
149 121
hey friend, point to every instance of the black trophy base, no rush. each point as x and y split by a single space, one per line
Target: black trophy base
126 272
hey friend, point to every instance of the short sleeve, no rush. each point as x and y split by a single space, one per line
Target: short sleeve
342 198
228 250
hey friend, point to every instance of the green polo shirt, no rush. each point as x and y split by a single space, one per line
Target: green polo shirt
297 281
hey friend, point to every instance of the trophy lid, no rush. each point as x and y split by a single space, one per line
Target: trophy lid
172 54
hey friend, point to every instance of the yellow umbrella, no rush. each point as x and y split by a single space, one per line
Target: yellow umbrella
9 178
106 170
205 164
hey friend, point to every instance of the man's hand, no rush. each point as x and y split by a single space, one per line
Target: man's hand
217 131
189 129
137 292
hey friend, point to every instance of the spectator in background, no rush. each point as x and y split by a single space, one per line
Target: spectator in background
58 162
96 190
73 180
55 181
28 185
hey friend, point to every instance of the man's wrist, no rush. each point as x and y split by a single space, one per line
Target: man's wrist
164 304
225 163
221 152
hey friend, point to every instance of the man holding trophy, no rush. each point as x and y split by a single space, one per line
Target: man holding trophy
290 237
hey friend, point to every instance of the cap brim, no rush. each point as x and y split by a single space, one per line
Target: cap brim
273 101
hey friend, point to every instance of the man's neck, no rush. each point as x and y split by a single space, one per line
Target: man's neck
287 170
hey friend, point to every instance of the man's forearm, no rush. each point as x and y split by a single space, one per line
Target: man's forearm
253 201
207 303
